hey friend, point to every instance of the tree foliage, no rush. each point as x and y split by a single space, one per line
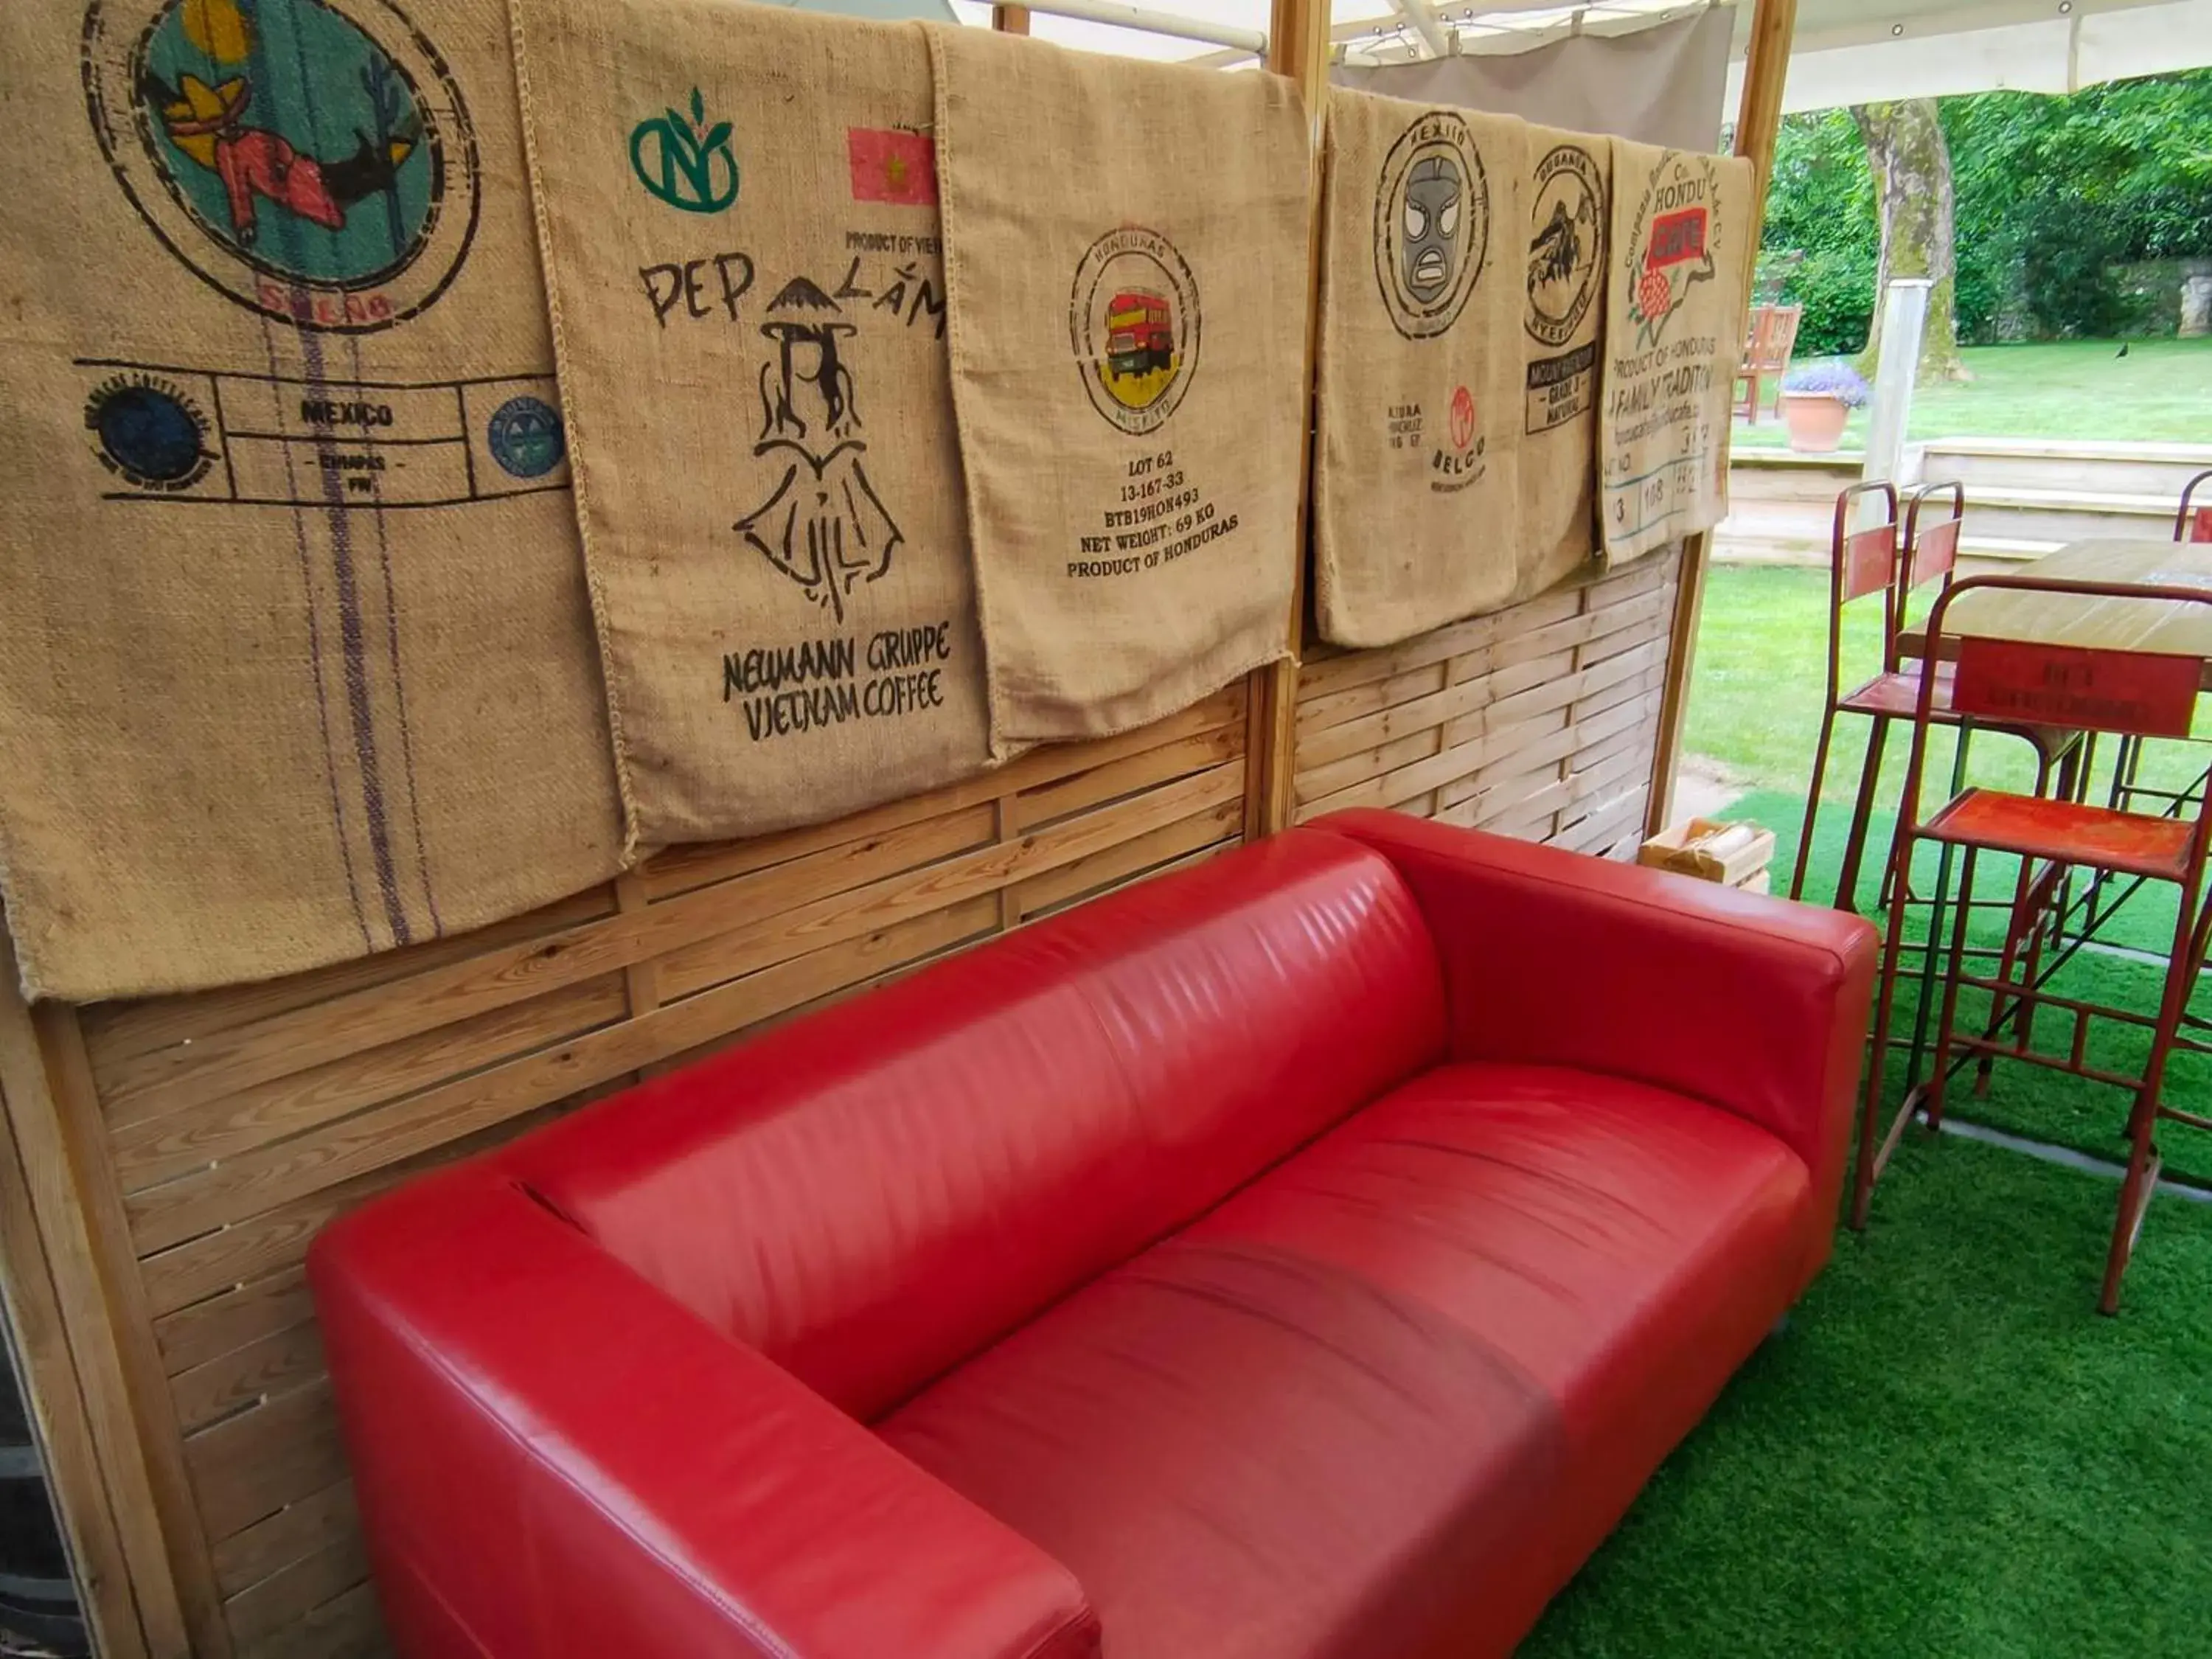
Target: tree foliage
2052 192
1821 204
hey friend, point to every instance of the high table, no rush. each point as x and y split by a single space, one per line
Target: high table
2115 624
2123 624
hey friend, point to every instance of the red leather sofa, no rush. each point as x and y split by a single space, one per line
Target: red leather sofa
1309 1256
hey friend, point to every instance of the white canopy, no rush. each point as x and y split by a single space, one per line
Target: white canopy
1853 51
1846 51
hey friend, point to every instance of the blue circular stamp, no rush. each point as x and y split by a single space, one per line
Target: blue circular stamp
148 432
525 437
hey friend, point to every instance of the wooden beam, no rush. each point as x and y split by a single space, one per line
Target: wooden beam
1297 50
76 1343
54 1395
1758 119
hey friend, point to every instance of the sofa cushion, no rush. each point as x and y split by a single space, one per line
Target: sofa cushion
872 1194
1571 1265
1603 1234
1247 1452
1626 1248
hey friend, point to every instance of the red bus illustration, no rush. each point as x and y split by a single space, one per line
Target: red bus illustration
1139 333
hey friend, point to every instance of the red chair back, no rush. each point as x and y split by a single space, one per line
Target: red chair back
1861 563
2135 694
2192 523
1931 549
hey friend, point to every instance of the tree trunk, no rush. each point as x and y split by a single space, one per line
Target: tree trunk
1912 167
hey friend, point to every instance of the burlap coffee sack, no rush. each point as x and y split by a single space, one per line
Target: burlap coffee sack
1674 335
1417 435
740 212
296 659
1564 203
1126 263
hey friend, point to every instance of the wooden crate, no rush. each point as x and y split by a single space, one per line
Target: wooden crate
1541 721
1733 855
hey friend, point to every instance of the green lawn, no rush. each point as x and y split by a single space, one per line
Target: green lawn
1946 1452
2160 392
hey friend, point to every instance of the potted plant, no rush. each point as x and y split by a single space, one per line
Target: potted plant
1817 399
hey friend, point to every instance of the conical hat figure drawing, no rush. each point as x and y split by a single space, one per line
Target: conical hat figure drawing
823 524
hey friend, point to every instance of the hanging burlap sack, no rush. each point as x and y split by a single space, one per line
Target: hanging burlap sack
1417 435
739 205
1126 263
1674 335
295 659
1564 203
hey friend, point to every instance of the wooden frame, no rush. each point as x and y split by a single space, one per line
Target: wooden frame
164 1163
1758 119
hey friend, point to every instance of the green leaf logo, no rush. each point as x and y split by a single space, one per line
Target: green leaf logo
685 163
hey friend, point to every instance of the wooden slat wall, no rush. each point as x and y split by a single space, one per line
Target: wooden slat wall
209 1136
225 1127
1542 721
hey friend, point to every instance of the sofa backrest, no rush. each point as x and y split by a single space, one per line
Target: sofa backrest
876 1193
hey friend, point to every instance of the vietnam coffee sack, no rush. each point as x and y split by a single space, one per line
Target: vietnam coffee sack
1564 203
295 656
1674 336
1417 437
1126 264
739 207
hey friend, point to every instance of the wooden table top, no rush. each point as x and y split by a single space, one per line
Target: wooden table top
2124 624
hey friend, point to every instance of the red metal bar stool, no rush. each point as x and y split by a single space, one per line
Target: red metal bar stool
2193 522
2143 694
1861 565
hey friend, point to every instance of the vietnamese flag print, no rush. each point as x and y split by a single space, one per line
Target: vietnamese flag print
891 165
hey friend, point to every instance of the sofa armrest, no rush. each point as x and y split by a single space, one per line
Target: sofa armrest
1752 1004
554 1459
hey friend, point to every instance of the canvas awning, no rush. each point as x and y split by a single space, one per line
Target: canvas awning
1845 51
1851 51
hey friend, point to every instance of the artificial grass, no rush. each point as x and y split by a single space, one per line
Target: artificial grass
2062 390
1947 1452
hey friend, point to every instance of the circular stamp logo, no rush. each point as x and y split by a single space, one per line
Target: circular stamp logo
1463 418
525 437
1133 322
1566 244
311 160
1431 224
1676 224
149 432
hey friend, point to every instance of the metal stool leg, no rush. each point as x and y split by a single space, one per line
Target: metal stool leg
1946 1027
1847 879
2141 1183
1866 1165
1813 800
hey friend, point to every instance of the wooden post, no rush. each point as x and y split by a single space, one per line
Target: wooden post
1010 20
1758 117
74 1101
78 1346
1298 48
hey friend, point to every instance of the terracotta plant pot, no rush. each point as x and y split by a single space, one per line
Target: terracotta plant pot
1815 421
